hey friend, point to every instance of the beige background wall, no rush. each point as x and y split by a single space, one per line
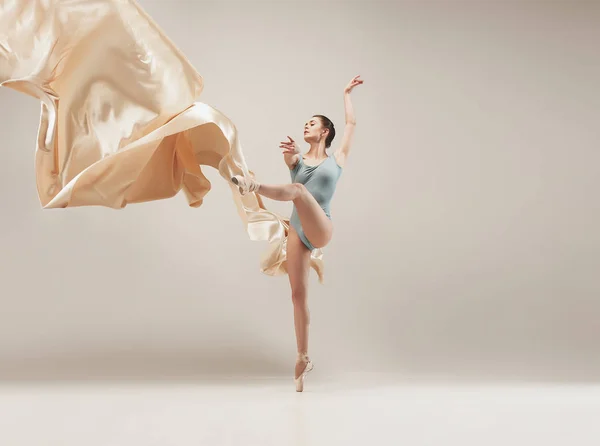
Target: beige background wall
466 241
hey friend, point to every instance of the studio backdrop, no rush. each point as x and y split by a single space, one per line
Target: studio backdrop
466 219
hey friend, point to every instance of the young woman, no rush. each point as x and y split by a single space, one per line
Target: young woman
314 177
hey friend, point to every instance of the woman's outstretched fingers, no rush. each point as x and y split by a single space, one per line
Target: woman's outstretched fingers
353 83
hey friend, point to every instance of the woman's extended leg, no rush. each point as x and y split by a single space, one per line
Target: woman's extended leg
298 268
316 225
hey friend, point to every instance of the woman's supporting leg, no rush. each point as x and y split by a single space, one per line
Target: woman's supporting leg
315 223
298 268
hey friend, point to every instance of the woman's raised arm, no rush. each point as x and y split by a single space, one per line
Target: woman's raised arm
342 152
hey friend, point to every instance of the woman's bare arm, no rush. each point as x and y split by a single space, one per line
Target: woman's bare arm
291 154
342 152
291 159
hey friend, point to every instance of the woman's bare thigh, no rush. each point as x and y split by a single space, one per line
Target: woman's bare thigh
315 223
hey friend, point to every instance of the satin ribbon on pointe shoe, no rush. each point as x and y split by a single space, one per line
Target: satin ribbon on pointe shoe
307 368
245 185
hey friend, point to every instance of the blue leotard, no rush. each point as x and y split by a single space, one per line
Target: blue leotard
320 181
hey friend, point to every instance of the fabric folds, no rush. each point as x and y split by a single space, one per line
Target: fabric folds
120 119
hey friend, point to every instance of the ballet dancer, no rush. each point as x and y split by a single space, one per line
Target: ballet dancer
314 177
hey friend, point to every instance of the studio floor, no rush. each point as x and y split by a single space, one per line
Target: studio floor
367 410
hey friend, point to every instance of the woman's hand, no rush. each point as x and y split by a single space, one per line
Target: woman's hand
291 154
353 83
290 147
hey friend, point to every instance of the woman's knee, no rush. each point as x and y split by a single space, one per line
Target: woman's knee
301 304
299 295
299 190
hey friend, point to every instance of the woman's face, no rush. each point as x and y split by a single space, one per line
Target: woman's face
314 130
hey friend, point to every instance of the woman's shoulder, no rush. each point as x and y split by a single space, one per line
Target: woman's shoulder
339 159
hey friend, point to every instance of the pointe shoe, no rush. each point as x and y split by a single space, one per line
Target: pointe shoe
245 185
309 366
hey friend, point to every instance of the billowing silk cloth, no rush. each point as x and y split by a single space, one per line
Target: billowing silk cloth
120 122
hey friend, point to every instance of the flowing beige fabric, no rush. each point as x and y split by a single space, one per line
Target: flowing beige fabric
119 118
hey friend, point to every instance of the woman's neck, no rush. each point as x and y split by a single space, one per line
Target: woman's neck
317 151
